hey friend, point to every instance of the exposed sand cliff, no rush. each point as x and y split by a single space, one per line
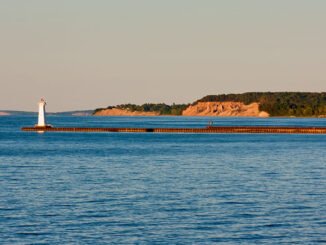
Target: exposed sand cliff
120 112
224 109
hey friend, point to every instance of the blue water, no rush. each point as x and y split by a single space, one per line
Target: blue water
125 188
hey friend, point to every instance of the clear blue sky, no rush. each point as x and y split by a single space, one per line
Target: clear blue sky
82 54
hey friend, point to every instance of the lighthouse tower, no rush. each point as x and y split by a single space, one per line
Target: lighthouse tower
41 114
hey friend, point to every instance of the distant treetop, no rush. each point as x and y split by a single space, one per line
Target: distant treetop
298 104
161 108
301 104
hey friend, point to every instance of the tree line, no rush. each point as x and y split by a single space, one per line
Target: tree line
161 108
299 104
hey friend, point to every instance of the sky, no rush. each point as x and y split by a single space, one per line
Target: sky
82 54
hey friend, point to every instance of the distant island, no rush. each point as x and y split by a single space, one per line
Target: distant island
255 104
33 113
20 113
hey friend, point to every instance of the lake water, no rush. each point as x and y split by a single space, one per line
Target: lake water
98 188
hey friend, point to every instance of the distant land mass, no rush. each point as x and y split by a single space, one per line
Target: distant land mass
74 113
65 113
148 109
22 113
251 104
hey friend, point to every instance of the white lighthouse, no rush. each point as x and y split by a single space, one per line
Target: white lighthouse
41 114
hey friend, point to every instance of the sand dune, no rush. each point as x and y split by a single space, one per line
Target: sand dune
224 109
121 112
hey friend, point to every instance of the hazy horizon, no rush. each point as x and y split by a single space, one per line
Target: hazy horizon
83 55
92 109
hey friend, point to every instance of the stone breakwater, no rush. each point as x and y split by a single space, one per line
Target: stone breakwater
206 130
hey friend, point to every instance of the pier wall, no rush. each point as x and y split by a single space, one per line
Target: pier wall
207 130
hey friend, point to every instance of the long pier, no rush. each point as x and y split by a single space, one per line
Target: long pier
206 130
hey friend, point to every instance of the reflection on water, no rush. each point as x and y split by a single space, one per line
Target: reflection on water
161 188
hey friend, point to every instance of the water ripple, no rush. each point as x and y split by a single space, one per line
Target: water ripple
161 188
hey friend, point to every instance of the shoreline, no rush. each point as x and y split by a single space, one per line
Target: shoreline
55 114
289 117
